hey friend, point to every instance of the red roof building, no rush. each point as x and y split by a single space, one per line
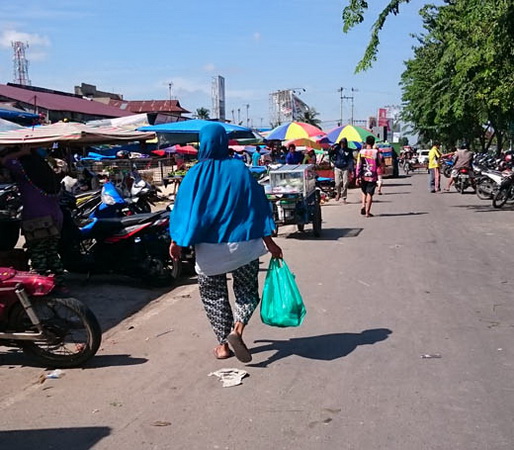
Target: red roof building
164 107
56 105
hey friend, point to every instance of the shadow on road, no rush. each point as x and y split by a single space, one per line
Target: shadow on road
325 347
485 208
327 234
113 361
401 214
76 438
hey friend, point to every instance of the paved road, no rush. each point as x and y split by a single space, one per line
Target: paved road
429 274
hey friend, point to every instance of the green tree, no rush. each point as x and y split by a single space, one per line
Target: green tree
353 14
203 113
310 116
460 81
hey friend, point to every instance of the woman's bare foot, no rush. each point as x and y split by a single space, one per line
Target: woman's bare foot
222 351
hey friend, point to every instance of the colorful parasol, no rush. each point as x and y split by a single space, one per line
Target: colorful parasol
350 132
309 142
293 130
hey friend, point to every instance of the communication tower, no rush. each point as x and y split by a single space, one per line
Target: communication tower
218 97
21 65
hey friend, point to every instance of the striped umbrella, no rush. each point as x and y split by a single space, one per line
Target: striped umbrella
293 130
350 132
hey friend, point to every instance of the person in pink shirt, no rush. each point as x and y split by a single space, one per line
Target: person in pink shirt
369 160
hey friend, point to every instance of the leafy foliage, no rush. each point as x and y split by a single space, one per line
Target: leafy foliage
460 82
203 113
311 117
353 15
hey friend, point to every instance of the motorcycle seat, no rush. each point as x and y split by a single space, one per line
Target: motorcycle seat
139 218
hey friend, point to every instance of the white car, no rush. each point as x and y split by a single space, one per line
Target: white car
423 156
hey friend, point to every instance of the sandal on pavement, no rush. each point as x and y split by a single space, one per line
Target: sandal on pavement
240 349
363 211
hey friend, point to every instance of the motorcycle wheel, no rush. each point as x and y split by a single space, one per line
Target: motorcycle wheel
484 189
406 168
462 187
447 172
501 197
73 334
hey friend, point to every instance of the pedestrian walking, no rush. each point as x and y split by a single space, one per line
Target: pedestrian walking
434 170
223 212
342 158
369 160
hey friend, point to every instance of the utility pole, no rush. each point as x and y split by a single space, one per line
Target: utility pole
170 85
247 119
340 90
353 90
346 97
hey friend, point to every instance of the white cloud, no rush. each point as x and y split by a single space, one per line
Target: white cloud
209 67
9 36
187 85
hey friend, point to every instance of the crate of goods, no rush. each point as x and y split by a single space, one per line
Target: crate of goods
293 179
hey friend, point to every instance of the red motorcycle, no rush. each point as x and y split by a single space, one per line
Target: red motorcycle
58 332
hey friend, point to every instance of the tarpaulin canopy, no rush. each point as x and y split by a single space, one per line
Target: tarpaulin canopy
127 123
16 114
188 131
71 132
6 125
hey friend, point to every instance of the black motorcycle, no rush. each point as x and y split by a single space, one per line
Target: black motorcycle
137 246
505 193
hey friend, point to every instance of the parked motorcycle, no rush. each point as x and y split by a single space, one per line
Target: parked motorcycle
57 332
136 245
505 193
488 182
446 166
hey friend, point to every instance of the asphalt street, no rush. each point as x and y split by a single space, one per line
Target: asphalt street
430 274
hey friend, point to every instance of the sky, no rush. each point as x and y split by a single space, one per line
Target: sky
138 48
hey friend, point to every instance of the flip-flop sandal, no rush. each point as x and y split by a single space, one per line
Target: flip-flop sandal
240 349
217 356
363 211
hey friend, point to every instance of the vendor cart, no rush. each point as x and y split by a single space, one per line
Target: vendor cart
295 199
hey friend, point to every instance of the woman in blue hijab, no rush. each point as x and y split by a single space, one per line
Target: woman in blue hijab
224 213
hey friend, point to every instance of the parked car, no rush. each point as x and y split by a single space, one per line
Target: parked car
423 156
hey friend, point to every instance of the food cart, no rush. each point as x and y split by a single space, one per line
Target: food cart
295 199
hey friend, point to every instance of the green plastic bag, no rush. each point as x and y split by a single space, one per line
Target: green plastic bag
282 304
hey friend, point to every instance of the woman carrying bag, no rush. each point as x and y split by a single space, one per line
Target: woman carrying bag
224 213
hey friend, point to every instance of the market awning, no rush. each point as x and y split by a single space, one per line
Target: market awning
187 131
71 132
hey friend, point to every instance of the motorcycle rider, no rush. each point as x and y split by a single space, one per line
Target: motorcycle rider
462 159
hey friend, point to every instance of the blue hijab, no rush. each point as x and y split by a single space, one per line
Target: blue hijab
219 200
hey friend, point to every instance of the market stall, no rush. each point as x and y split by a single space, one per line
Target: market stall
294 197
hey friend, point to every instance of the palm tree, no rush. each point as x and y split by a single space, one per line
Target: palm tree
310 117
203 113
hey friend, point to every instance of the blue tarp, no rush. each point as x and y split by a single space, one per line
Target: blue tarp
17 115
